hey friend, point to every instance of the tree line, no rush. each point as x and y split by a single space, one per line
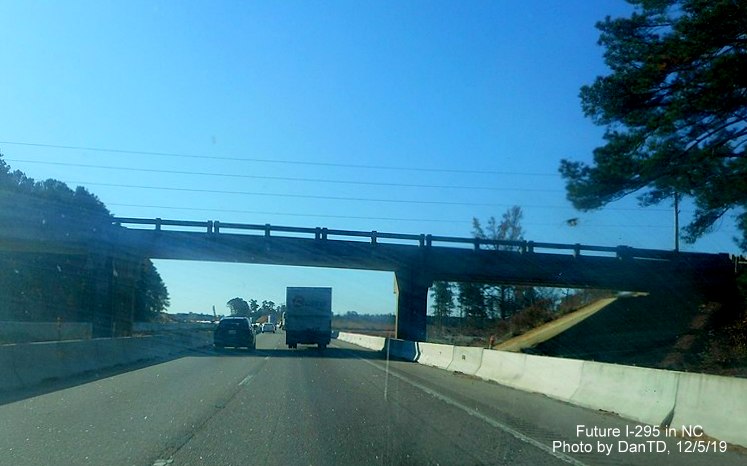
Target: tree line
46 285
478 301
253 308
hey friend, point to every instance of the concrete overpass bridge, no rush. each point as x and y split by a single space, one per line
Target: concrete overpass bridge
416 260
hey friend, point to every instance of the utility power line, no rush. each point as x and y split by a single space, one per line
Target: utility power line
282 178
354 217
333 198
290 214
481 171
294 196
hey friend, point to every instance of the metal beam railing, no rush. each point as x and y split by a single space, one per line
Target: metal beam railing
216 227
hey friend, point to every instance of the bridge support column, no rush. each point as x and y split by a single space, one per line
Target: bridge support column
112 289
100 299
412 304
126 272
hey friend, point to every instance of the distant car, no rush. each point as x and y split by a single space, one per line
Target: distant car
267 328
234 332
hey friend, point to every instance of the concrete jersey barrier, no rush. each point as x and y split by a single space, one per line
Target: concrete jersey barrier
715 403
638 393
27 332
466 360
28 364
366 341
710 404
502 367
555 377
401 349
8 377
434 354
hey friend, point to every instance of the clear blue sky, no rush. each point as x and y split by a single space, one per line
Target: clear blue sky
485 87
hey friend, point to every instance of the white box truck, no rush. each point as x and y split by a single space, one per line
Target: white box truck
308 316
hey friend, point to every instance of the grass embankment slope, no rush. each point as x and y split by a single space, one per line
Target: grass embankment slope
666 331
553 328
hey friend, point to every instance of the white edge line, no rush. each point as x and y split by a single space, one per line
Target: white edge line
246 380
497 424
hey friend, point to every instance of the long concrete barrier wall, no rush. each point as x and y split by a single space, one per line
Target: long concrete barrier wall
366 341
637 393
718 404
25 332
436 355
401 349
465 360
650 396
155 327
28 364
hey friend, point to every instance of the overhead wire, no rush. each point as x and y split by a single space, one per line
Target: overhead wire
276 161
287 195
288 214
280 178
349 217
334 198
296 179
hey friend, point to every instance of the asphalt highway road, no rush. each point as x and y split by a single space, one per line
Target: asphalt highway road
344 405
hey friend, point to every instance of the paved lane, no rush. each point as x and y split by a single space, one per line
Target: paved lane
345 405
338 408
124 419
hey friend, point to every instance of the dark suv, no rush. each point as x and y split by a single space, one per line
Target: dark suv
234 331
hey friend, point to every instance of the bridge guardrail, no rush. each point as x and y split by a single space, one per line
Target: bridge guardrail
423 240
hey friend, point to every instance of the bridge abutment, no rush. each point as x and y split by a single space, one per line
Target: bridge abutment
412 304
